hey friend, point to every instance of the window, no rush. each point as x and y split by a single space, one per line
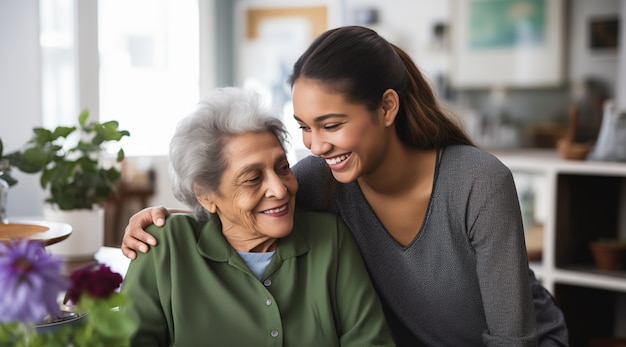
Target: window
144 72
58 65
149 68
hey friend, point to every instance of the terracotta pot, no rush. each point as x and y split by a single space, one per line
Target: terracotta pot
608 255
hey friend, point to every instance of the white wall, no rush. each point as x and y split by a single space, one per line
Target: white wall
20 105
582 61
620 93
409 24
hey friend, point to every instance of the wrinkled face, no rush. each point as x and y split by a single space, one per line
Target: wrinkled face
348 136
256 197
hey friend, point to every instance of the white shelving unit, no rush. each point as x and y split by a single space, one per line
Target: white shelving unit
584 201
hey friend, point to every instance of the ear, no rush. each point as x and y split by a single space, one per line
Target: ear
390 106
207 202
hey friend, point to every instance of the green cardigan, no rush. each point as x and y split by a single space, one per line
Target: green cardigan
193 289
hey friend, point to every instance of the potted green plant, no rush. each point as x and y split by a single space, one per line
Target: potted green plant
72 162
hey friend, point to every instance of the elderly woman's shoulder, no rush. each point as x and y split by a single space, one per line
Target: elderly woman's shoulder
178 222
182 218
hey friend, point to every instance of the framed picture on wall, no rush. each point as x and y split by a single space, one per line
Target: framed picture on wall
514 43
273 39
603 34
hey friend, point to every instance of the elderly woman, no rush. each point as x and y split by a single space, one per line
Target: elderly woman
247 268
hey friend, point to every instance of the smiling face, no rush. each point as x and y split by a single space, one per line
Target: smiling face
256 197
352 139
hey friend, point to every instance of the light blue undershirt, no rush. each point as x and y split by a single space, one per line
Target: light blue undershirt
257 262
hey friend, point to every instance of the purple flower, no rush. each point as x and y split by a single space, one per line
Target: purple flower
96 281
30 282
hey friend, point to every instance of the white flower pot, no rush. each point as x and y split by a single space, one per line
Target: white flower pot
87 232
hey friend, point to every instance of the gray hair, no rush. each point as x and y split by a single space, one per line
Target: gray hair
196 157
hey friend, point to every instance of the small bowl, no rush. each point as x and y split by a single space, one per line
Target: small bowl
66 318
47 232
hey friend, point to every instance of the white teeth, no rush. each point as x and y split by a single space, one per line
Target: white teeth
275 210
337 160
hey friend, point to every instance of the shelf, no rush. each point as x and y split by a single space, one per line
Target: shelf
581 201
589 276
549 160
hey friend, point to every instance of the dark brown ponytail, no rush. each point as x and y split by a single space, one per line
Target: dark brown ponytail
421 122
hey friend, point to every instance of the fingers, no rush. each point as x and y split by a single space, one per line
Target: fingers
128 253
142 219
137 239
158 215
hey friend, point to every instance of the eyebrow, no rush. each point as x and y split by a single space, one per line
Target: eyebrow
323 117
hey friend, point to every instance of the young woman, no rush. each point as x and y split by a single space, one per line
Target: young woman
436 219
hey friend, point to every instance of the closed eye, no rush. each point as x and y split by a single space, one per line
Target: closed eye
331 126
253 179
284 170
282 166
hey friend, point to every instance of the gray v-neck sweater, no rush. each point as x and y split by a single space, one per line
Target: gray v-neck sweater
464 280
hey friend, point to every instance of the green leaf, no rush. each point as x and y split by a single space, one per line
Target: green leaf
35 159
87 164
62 131
42 136
82 118
16 159
46 177
63 173
86 147
113 174
120 155
8 332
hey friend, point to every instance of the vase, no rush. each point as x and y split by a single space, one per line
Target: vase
608 256
611 143
87 232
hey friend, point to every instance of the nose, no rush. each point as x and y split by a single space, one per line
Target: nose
276 188
317 144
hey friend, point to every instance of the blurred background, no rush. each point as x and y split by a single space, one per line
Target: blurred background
509 70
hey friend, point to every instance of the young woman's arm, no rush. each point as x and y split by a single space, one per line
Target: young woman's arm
497 237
